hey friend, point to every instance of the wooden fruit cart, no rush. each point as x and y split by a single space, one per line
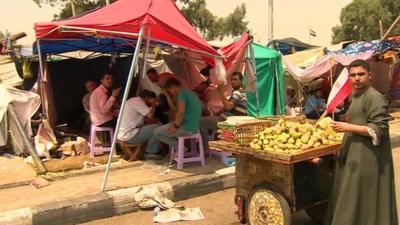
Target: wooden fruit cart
270 187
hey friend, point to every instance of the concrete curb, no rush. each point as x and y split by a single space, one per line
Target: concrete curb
107 204
74 173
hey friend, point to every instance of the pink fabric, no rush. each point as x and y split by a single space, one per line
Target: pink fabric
101 106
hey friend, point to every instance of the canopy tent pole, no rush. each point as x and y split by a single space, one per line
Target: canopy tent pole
40 75
145 54
278 89
253 65
95 31
28 143
132 71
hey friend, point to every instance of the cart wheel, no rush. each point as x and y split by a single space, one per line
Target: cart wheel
266 207
317 212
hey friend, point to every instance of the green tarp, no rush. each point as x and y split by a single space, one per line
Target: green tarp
269 82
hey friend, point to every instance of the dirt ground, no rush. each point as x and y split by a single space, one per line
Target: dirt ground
15 170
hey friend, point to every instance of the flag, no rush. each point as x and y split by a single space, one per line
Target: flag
340 91
313 33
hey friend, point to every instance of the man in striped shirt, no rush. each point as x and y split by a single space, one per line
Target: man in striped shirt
234 105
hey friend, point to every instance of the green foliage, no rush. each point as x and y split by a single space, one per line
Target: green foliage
210 26
360 19
81 6
234 23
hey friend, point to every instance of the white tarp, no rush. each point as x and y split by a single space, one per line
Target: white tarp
8 72
25 103
321 65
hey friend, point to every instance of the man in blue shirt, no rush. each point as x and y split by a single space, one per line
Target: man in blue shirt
315 105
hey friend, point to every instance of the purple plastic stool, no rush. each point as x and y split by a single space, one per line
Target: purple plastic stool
196 156
223 155
92 139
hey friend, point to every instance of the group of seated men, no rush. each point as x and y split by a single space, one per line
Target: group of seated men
177 111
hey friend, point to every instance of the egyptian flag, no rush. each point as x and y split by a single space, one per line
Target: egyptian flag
340 91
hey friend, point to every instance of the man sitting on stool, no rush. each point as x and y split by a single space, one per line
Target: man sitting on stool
187 120
102 105
133 129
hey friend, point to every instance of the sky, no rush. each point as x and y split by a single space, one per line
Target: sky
292 18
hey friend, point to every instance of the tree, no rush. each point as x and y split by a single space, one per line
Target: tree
360 19
210 26
80 6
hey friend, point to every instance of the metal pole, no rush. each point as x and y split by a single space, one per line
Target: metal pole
271 20
253 64
132 71
145 54
28 143
278 88
331 77
40 76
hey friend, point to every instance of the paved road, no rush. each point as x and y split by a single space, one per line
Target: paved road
217 208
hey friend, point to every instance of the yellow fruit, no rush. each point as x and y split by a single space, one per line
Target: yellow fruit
317 144
324 123
305 138
304 147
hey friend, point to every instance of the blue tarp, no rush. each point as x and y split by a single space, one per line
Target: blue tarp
92 44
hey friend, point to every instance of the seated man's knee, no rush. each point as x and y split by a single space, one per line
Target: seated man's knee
159 130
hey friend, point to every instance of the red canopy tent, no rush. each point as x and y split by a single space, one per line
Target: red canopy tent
162 20
121 27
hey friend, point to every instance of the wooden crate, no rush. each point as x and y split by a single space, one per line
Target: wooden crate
273 156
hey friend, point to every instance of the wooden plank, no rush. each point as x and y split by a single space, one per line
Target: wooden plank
273 156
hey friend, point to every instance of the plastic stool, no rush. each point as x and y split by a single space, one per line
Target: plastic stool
196 156
95 149
224 155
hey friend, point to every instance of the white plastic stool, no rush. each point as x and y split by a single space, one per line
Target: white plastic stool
92 139
196 156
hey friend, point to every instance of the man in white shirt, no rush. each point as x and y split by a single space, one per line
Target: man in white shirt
133 129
